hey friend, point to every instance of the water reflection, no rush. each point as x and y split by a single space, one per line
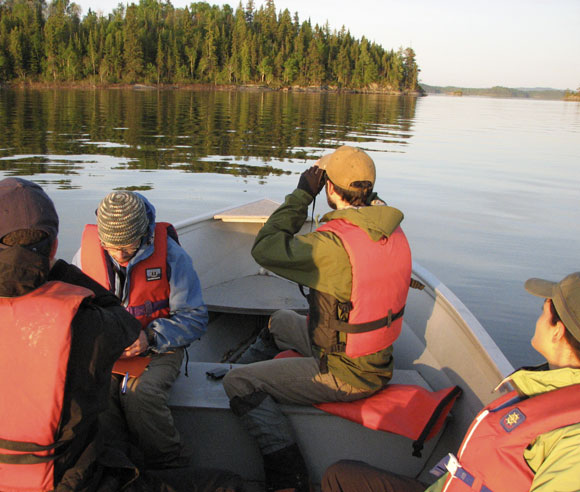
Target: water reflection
193 131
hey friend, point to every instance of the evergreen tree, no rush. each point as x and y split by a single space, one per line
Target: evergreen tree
153 42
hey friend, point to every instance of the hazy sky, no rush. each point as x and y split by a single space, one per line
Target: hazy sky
468 43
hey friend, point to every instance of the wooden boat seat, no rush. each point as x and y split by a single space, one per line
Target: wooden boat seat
257 211
201 411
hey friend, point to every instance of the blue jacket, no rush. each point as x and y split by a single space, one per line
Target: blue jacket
188 317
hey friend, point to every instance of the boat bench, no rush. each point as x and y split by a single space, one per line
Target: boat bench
215 436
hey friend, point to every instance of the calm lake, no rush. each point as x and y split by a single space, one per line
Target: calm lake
490 188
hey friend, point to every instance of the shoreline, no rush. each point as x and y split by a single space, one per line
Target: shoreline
85 85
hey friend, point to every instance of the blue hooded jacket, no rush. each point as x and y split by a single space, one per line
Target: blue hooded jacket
188 316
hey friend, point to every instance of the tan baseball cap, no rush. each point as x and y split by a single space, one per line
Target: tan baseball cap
565 295
347 165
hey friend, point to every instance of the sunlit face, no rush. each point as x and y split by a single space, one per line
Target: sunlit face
122 254
542 339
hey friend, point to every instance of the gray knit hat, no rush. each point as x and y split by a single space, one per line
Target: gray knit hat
121 218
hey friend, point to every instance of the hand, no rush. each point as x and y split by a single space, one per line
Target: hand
312 180
137 347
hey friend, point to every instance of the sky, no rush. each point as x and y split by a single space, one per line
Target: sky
464 43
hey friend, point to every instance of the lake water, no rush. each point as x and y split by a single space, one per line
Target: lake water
490 188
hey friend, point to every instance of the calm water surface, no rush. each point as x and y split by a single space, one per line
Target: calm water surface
490 187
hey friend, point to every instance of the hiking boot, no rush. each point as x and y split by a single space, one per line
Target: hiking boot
285 470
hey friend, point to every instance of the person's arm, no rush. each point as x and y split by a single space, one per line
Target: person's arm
556 460
188 317
116 328
316 259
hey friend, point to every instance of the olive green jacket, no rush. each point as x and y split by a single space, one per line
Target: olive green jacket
554 456
318 260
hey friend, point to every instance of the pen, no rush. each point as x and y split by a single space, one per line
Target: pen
124 383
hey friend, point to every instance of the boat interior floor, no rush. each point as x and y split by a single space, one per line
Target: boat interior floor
216 437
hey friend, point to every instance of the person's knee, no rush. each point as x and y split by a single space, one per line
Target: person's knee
148 391
336 474
237 383
279 320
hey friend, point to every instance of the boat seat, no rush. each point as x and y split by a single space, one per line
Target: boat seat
257 212
240 295
202 413
406 409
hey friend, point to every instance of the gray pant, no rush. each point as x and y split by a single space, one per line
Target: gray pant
140 417
288 381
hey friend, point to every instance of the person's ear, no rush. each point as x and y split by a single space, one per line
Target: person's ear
558 331
329 186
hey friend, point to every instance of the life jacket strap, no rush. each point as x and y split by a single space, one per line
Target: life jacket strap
369 325
26 452
451 464
148 308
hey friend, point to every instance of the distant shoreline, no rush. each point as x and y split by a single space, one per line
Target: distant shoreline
503 92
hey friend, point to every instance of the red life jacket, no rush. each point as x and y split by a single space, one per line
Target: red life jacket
491 457
149 285
34 356
381 273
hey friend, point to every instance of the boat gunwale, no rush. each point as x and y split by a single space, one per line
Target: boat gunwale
441 295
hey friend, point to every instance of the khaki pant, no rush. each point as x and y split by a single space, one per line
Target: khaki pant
295 380
139 422
255 389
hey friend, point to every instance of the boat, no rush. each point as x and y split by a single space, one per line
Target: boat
442 345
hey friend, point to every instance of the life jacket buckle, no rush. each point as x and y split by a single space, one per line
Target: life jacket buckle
148 308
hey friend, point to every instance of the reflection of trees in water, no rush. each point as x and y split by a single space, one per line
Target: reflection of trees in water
194 131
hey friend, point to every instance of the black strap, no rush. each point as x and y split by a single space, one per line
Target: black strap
415 284
25 447
25 459
26 452
370 325
420 442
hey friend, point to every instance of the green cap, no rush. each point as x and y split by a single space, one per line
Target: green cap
565 295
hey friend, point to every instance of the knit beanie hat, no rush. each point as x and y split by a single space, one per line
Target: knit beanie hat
122 218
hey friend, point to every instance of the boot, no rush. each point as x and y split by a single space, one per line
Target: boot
264 348
285 469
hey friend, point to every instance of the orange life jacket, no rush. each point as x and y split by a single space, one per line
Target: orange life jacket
149 284
381 274
491 457
34 356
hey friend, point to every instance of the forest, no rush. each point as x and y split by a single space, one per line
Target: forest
154 43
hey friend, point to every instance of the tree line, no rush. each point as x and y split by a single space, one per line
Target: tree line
154 43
